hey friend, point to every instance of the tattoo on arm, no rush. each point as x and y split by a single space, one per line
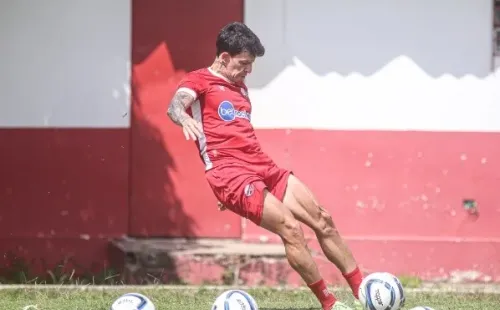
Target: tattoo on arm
178 105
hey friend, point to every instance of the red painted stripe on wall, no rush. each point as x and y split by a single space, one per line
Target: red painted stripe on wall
397 196
59 183
63 194
397 183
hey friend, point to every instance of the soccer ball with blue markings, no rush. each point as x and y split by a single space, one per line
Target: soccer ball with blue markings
381 291
132 301
235 300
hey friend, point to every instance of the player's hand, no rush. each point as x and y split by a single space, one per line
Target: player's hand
221 206
192 129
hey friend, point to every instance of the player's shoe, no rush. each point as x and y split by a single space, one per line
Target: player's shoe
340 306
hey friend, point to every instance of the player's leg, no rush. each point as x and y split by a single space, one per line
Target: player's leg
305 207
244 193
277 218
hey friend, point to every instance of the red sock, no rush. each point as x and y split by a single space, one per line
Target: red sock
354 278
324 296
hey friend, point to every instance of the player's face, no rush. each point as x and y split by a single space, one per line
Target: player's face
239 66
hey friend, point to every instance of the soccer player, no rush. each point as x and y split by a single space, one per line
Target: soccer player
212 107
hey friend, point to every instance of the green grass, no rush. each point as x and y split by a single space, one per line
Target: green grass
186 299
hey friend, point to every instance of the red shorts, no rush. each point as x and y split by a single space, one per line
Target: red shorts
241 188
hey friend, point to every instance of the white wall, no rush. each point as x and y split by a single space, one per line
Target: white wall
395 65
64 63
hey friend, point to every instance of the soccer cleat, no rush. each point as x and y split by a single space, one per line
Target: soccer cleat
340 306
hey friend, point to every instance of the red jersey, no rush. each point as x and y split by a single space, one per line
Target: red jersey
224 111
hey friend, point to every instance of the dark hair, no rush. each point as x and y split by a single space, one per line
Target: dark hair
235 38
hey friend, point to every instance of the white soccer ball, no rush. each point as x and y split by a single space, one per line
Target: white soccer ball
381 291
422 308
235 300
132 301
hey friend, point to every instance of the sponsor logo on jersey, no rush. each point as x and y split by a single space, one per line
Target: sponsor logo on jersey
248 190
228 113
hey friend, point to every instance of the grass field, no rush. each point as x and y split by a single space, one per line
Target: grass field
199 299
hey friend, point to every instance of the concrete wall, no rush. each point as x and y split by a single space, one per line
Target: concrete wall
85 153
65 64
64 127
169 194
393 122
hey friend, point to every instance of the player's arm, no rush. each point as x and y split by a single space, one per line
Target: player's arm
178 105
177 113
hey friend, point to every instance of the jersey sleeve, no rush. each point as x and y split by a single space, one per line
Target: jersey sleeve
191 84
